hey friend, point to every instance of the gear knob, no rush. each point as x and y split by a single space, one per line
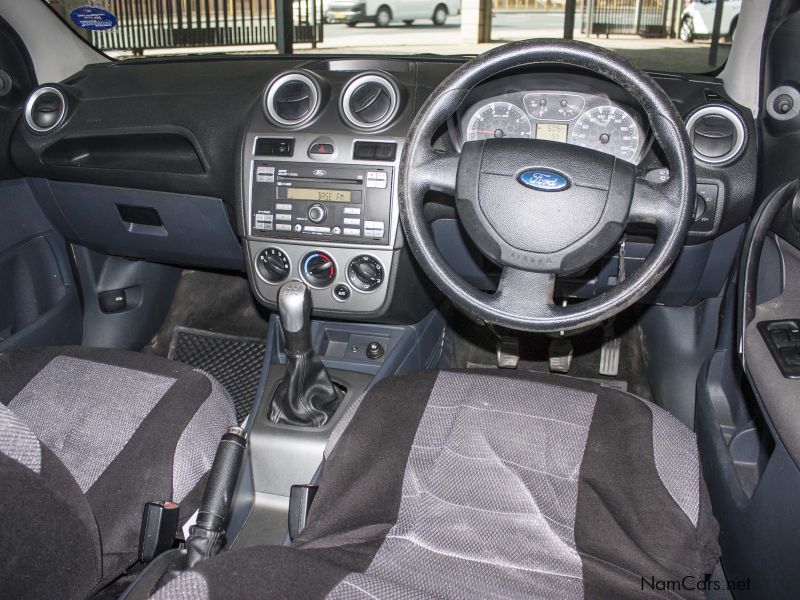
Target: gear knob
294 307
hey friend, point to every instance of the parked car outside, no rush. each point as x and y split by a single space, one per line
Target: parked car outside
697 19
384 12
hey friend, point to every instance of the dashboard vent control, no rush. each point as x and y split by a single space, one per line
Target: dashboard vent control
370 101
45 109
292 99
384 151
717 134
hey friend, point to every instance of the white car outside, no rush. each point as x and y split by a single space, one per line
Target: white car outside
384 12
697 19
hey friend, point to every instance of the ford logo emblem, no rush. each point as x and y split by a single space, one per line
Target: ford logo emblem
320 172
543 181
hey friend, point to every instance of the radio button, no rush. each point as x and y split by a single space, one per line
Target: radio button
283 207
352 210
311 229
298 228
283 227
336 230
316 213
349 231
283 217
348 221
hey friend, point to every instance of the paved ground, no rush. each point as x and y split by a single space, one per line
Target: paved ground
655 54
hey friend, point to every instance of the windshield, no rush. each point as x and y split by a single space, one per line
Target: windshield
658 35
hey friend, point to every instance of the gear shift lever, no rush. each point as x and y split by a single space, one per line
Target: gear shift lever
306 396
294 306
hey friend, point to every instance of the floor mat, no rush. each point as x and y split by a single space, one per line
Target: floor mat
235 361
211 301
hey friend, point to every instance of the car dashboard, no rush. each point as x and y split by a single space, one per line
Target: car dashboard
288 168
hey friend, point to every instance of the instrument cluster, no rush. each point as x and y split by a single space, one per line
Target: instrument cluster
588 120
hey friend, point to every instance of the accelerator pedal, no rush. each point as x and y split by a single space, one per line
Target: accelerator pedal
610 351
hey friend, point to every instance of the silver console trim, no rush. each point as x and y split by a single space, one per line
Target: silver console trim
323 298
301 143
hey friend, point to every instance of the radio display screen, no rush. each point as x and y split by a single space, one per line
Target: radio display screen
556 132
318 195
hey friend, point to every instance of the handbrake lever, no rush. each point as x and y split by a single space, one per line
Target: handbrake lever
208 534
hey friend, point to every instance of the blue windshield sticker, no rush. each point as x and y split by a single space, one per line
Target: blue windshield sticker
93 18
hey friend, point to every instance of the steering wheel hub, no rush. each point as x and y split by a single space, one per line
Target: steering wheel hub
542 206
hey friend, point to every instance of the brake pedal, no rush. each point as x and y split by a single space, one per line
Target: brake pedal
610 351
560 351
507 352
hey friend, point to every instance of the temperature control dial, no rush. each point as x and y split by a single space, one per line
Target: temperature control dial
365 273
273 265
318 269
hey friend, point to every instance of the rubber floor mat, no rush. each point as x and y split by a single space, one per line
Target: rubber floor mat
234 361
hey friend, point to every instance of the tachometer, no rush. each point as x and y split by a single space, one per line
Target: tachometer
498 119
608 129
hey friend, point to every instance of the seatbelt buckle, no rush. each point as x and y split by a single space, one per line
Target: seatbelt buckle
159 526
300 499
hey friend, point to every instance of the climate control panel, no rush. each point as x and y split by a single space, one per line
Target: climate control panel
343 279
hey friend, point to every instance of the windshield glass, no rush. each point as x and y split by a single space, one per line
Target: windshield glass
659 35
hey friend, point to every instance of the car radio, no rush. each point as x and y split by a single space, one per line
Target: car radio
302 201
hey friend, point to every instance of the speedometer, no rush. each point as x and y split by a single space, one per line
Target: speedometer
608 129
498 120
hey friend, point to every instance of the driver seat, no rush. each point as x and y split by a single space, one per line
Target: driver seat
459 484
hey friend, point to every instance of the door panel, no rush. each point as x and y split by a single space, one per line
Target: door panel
39 302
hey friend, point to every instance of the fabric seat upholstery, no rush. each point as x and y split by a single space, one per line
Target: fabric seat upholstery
471 485
87 437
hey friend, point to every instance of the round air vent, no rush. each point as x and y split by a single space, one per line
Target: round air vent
717 133
292 99
45 109
369 101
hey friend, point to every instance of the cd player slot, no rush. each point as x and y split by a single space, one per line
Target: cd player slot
284 178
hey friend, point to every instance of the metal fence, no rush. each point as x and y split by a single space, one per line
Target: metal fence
157 24
641 17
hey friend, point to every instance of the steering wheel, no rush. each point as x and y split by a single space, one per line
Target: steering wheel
540 208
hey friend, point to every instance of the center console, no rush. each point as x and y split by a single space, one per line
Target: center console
323 210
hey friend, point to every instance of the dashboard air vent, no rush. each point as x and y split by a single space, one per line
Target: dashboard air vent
292 99
45 109
369 101
717 133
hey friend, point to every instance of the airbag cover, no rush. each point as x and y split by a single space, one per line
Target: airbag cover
541 205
